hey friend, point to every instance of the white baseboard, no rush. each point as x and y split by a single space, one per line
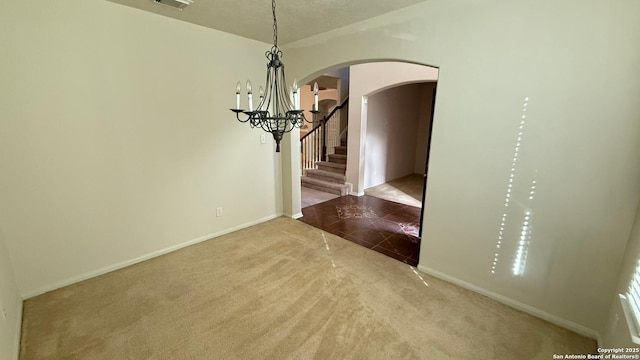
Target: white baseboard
360 193
123 264
567 324
296 216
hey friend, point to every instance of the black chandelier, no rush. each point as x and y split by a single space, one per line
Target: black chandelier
278 109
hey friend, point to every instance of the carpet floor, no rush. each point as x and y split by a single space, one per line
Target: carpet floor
281 290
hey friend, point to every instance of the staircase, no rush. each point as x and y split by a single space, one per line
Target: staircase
330 175
322 170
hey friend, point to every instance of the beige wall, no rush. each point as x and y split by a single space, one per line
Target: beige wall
343 74
116 142
392 125
10 304
580 142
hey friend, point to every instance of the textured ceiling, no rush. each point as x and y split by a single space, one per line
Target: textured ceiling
297 19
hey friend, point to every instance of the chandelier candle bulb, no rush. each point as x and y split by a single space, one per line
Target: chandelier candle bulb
238 88
250 95
296 95
291 96
315 96
261 91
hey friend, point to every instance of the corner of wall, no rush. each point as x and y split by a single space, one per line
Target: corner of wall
567 324
151 255
12 302
18 336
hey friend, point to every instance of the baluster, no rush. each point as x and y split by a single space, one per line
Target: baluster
316 142
313 148
304 155
319 146
310 150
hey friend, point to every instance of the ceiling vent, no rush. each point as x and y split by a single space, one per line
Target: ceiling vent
178 4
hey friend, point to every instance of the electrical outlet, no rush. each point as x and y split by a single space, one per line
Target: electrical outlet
219 212
263 139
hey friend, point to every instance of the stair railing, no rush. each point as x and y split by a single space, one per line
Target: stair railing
326 133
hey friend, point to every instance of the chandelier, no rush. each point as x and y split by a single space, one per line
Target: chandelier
278 111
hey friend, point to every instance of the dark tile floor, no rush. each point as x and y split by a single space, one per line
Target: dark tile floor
387 227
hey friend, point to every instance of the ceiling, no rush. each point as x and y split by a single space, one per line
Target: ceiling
297 19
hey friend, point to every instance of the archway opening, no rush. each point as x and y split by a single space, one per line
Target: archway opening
387 131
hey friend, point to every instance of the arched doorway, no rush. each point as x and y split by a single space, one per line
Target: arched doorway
363 87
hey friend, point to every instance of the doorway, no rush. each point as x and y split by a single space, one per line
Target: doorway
397 145
385 225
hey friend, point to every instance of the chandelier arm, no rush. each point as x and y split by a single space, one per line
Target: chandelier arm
268 106
266 97
283 93
238 112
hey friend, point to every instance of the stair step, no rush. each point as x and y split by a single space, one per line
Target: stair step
337 158
342 150
329 187
326 176
332 167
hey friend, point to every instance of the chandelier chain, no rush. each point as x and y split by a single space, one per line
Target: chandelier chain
275 24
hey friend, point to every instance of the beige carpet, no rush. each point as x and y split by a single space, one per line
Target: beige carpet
281 290
405 190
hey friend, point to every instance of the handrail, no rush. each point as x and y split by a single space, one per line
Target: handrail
313 145
326 118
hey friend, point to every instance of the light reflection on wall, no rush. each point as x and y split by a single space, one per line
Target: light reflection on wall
512 177
520 261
